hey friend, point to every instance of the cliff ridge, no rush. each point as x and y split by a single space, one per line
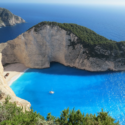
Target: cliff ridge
52 42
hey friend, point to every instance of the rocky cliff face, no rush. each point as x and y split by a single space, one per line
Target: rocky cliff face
9 19
5 91
51 43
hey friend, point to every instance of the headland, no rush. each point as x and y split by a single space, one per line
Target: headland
9 19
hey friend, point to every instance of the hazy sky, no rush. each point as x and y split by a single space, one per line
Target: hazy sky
109 2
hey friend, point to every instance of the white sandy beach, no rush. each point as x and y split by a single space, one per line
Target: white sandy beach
15 71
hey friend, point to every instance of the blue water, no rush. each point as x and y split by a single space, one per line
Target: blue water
83 90
107 21
89 92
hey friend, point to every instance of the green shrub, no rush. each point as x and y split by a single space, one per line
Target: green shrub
77 118
10 114
86 37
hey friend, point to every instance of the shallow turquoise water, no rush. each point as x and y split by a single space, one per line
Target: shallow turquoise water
89 92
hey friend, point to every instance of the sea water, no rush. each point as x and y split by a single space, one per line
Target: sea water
89 92
73 88
108 21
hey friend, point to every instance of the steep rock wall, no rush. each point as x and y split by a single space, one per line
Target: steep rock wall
51 43
5 91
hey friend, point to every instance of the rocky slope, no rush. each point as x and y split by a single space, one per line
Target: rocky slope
5 91
9 19
50 43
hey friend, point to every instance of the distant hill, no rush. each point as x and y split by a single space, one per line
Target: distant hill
9 19
69 44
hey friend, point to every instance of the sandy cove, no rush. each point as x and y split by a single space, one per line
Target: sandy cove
15 71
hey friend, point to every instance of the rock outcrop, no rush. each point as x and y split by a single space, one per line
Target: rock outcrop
9 19
54 44
5 91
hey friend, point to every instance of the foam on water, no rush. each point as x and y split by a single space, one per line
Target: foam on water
89 92
16 77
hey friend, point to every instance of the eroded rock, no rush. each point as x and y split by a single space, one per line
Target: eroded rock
9 19
5 91
53 44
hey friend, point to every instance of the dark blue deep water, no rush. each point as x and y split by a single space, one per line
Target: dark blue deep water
107 21
83 90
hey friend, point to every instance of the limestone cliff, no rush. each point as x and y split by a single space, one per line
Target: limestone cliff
9 19
5 91
51 43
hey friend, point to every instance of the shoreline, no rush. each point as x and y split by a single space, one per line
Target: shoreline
15 71
16 77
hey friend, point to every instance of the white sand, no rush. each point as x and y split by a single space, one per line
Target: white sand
15 71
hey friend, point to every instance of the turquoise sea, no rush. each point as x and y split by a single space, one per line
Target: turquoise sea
74 88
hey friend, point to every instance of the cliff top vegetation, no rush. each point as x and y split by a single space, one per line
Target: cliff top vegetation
10 114
86 37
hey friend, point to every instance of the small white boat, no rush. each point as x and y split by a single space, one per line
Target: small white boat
51 92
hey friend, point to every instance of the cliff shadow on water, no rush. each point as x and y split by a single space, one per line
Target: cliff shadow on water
59 69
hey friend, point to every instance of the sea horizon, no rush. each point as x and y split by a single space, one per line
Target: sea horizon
87 91
107 21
